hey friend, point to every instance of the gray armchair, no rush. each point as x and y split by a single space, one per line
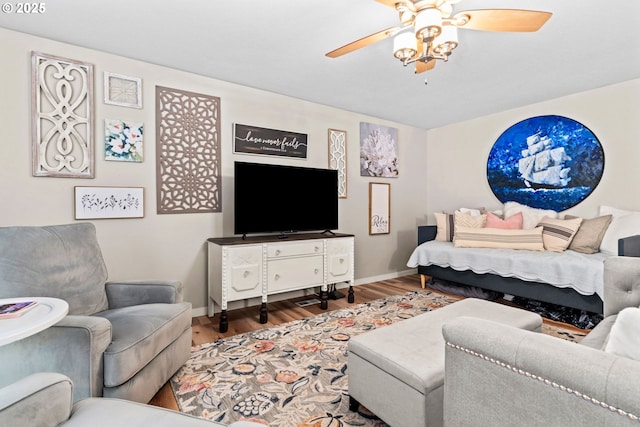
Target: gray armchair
502 376
45 400
120 339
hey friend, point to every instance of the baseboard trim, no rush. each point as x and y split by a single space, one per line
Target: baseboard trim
234 305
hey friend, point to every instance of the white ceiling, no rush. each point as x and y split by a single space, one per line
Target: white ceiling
279 46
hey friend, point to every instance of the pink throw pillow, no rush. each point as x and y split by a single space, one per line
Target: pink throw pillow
514 222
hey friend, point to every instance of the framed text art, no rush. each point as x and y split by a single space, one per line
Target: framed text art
109 202
62 117
338 158
270 142
123 91
379 208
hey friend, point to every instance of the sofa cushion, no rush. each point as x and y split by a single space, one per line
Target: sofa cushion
58 261
514 222
624 338
558 233
623 224
530 216
140 333
589 236
498 238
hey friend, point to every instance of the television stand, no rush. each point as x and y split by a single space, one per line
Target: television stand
241 268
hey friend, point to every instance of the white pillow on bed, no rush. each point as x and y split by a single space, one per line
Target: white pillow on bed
623 224
530 216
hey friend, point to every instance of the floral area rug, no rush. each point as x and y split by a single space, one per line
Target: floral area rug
295 374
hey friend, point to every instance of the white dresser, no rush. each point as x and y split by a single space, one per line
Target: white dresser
260 266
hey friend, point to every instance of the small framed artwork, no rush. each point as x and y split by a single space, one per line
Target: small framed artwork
123 91
379 208
109 202
338 158
378 150
123 140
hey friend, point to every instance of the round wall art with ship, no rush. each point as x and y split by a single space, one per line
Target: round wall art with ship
546 162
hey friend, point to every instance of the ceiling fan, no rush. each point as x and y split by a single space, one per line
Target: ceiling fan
433 25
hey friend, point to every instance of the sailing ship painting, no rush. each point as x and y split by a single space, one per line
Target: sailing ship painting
542 165
547 162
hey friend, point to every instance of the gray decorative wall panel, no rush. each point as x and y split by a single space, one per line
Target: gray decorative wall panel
188 152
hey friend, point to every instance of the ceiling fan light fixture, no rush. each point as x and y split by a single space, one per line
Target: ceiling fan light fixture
428 24
447 40
404 46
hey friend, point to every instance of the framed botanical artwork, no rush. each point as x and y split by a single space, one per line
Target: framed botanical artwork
62 117
378 151
123 140
379 208
546 162
109 202
124 91
338 158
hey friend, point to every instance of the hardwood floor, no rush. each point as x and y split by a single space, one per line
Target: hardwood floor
205 329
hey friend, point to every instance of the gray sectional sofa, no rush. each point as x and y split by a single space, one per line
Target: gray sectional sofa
499 375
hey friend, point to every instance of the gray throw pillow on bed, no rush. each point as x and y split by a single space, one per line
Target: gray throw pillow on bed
590 234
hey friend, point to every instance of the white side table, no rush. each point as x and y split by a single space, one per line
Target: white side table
47 312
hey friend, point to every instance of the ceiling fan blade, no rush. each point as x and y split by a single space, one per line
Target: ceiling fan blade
510 20
421 67
390 3
365 41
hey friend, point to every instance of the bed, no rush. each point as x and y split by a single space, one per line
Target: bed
569 279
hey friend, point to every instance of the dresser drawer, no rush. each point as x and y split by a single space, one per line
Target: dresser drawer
244 272
294 273
283 250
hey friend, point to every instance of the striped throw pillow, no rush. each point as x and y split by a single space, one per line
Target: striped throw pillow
444 224
558 233
498 238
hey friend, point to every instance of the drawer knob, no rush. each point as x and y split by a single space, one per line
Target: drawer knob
315 270
277 251
277 276
341 260
317 248
246 273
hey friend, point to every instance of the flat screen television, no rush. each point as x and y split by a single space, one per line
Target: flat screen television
281 199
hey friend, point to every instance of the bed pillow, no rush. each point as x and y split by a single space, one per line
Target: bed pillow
623 224
624 338
530 239
465 220
513 222
558 233
530 216
589 236
444 224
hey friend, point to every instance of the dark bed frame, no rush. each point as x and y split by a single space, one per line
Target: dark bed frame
568 297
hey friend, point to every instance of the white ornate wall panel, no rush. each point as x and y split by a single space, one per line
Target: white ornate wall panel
187 152
338 158
62 117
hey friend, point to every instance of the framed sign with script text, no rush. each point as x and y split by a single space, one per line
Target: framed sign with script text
379 208
270 142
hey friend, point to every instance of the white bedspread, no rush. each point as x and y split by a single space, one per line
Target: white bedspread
568 269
